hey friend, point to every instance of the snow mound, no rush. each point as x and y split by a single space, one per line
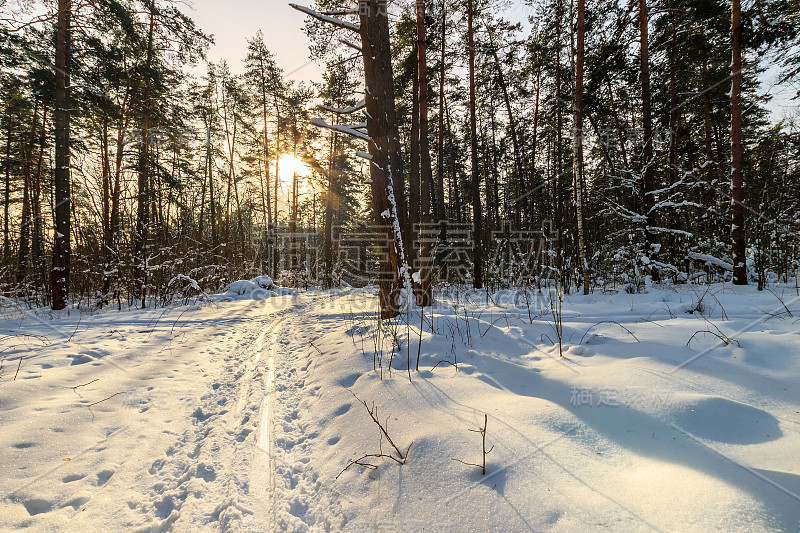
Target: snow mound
259 288
241 288
722 420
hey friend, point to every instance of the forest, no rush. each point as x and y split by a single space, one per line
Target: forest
600 145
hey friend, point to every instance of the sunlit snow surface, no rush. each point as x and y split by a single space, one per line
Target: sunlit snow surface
237 414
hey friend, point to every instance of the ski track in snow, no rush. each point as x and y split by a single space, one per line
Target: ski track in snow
213 466
268 483
302 500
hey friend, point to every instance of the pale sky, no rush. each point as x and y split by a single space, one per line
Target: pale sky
232 22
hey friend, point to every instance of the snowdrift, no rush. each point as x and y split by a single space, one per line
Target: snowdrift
259 288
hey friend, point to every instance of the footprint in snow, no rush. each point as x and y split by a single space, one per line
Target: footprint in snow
243 434
38 506
199 415
80 359
103 476
206 472
77 503
342 409
349 381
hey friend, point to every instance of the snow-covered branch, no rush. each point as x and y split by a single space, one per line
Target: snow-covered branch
346 110
684 203
657 229
340 12
711 260
339 23
342 128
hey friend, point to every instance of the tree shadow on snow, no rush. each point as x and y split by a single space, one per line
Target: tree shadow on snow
649 436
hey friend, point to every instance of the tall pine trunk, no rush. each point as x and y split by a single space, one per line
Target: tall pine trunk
648 164
7 194
384 149
578 154
477 214
440 211
329 207
144 198
26 221
37 236
737 149
59 275
414 167
426 173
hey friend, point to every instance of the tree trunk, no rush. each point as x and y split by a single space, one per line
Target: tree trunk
239 222
384 149
37 236
266 198
414 169
106 210
329 200
578 154
454 185
7 194
558 152
143 198
648 168
674 109
277 180
477 215
425 206
535 133
294 254
737 149
25 223
440 211
492 178
59 275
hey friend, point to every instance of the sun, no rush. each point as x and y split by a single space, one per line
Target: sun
289 164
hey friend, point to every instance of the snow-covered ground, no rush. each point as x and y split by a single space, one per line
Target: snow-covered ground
239 414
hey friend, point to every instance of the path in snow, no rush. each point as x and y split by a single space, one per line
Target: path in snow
142 421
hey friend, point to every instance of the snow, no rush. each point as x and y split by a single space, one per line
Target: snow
239 414
711 260
343 128
326 18
256 288
346 110
192 283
